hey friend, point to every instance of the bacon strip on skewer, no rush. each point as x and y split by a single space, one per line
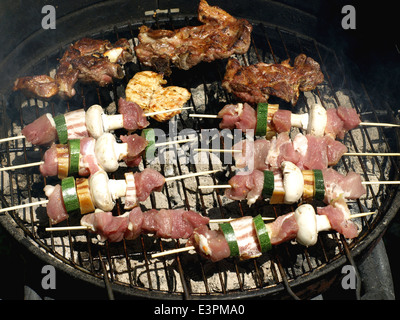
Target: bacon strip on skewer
93 123
247 237
169 224
106 154
306 151
290 185
302 225
267 120
102 192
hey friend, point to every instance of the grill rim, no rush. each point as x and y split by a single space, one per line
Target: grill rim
218 296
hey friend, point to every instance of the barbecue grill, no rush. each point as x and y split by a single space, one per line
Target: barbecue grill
281 30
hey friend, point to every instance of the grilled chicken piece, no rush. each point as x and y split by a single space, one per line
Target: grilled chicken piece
255 83
142 86
146 89
220 36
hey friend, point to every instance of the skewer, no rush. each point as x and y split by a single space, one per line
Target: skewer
25 205
228 186
33 164
20 166
146 114
189 248
74 228
377 124
32 204
189 175
372 154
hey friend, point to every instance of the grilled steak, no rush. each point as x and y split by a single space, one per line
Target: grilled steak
255 83
87 60
220 36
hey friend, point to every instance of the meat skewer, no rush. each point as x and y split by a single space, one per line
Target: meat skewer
79 124
248 237
290 185
267 120
306 151
98 191
86 156
86 226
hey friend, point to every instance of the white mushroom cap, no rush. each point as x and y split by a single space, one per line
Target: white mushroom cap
293 182
317 121
100 192
94 121
105 152
307 234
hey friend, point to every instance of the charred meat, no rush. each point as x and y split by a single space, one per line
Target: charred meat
255 83
220 36
87 60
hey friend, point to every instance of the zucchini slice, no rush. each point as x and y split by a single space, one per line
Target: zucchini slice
230 237
262 234
74 154
262 119
269 184
69 194
319 185
61 128
150 136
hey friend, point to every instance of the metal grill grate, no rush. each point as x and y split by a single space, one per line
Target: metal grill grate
129 266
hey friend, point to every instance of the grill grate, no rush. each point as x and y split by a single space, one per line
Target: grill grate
129 266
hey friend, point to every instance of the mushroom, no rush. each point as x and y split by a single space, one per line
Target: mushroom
97 122
109 152
100 191
317 120
307 234
293 182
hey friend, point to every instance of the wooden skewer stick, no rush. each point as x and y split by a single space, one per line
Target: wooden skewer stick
378 124
12 138
173 251
218 150
373 124
372 154
146 114
68 228
165 111
228 186
216 186
199 115
379 182
189 248
167 143
189 175
25 205
26 165
376 154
